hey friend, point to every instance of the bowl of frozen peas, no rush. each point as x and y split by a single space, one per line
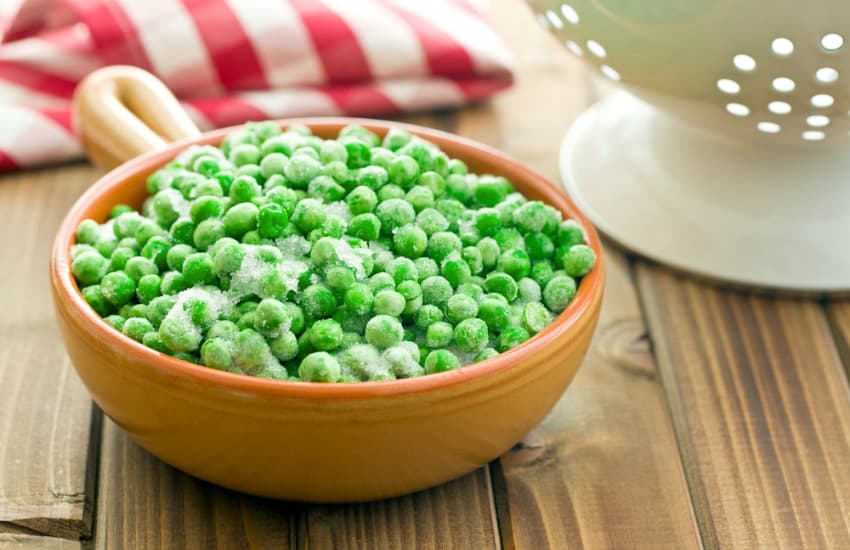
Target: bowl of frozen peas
325 310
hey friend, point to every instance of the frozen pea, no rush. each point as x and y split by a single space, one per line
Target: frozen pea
490 252
403 269
136 328
515 262
383 331
89 268
558 293
436 290
319 367
361 200
511 337
301 169
569 234
441 360
403 171
177 254
535 317
137 267
460 307
501 283
402 363
427 315
272 220
579 260
115 321
271 317
471 335
410 241
473 258
179 334
542 272
285 346
326 335
250 350
529 290
439 334
495 313
389 302
393 214
94 297
443 243
309 214
431 221
216 354
420 198
485 354
326 189
198 268
539 246
455 269
359 299
318 301
380 281
426 267
240 219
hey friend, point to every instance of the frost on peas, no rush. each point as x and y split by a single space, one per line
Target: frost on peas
341 258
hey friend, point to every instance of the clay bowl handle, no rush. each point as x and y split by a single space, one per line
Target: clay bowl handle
121 112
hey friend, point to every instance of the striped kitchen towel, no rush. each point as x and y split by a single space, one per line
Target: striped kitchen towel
235 60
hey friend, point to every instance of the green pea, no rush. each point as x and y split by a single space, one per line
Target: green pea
383 331
439 334
319 366
471 335
198 268
326 335
136 328
511 337
93 295
559 292
441 360
240 219
89 268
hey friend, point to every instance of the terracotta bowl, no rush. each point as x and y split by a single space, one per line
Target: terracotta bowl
315 442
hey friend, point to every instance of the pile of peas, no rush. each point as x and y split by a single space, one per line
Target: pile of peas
286 256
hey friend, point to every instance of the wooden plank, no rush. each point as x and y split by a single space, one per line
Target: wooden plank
585 477
458 514
761 410
839 319
28 542
144 503
46 416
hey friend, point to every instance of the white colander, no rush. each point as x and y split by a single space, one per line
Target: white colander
762 197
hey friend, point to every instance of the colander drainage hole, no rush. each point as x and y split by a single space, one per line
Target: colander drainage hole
728 86
813 135
832 42
569 13
822 100
783 84
782 46
573 47
609 72
744 63
826 75
817 121
737 109
768 127
596 48
779 107
554 19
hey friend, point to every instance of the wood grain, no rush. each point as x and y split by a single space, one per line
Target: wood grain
27 542
458 514
761 409
46 416
146 504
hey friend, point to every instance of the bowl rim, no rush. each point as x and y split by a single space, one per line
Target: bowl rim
66 290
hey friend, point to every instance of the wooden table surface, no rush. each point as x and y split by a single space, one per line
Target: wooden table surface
701 417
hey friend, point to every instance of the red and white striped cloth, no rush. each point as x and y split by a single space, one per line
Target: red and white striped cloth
235 60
